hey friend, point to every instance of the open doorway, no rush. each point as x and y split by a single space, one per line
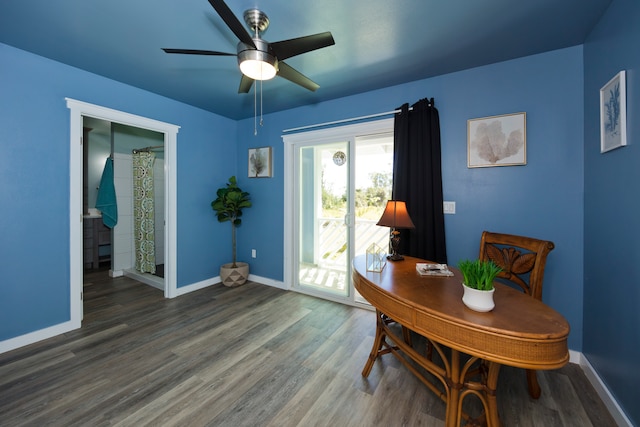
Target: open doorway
134 246
78 112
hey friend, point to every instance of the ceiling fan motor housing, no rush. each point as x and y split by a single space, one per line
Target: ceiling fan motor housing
257 20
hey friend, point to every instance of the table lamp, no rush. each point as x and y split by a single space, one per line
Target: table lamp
395 215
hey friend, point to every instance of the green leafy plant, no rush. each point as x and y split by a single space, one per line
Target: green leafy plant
479 274
228 206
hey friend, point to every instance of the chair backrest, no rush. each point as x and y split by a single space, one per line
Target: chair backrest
517 256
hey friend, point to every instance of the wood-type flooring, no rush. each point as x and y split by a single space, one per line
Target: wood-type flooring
247 356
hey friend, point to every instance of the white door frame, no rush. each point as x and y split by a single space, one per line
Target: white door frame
78 110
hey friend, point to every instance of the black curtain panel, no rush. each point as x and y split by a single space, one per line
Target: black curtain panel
417 180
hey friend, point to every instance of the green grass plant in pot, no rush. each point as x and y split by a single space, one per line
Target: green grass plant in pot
478 287
228 205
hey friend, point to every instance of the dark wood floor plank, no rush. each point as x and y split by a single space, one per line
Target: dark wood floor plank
572 409
248 356
324 412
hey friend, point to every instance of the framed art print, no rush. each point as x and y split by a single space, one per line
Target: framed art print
260 162
497 141
613 113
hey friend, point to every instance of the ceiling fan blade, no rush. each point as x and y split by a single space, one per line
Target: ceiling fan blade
232 22
293 75
287 48
245 84
198 52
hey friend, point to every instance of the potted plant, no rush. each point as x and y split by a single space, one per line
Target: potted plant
228 205
478 287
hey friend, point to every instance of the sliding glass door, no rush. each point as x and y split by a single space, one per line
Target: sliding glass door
373 181
337 187
324 218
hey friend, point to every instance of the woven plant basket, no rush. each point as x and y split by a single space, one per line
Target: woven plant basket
232 277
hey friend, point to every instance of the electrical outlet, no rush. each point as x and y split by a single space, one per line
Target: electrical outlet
253 253
449 207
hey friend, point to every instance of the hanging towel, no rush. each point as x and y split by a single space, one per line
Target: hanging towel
106 201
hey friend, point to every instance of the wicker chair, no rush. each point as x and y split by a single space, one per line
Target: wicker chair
522 260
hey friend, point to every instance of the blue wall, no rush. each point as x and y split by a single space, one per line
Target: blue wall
34 183
612 209
542 199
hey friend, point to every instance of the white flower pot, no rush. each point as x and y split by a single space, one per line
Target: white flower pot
478 300
232 277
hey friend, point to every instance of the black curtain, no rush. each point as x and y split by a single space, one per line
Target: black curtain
417 180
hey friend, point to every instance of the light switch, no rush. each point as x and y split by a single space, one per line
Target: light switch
449 207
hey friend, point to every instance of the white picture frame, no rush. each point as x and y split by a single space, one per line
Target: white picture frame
613 113
497 141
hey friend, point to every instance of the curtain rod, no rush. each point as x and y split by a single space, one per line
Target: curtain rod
137 150
353 119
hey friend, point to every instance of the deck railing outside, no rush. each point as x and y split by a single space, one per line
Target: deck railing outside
330 271
332 245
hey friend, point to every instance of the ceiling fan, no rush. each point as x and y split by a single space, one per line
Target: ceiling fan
257 58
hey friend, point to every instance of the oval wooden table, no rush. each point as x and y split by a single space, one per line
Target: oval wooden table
520 331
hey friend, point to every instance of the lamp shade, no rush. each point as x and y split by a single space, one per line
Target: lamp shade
395 215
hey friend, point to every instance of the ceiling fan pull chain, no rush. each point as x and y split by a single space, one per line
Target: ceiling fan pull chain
255 111
261 122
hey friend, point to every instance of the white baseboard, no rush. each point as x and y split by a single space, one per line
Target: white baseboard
610 402
268 282
116 273
33 337
197 286
216 280
575 357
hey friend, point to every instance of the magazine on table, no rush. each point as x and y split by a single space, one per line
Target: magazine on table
429 269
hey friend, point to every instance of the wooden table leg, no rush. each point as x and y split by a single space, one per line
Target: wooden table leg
532 381
484 389
454 403
493 420
377 345
453 376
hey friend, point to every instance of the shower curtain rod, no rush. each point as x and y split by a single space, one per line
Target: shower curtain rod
147 149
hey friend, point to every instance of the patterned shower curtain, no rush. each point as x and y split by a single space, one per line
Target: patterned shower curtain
144 212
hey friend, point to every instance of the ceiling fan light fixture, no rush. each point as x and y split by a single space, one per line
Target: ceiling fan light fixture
257 65
257 58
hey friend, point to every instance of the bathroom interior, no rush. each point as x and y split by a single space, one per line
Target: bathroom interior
131 247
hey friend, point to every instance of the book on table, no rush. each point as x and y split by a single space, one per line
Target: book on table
432 269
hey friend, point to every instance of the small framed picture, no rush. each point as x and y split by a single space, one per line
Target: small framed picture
260 162
497 141
613 113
